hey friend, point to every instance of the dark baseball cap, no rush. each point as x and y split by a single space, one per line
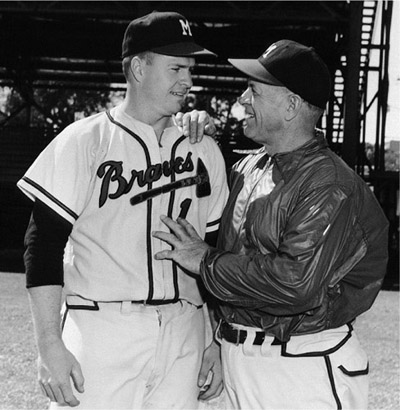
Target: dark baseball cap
292 65
165 33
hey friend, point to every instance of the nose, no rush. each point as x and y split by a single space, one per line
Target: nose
186 79
245 97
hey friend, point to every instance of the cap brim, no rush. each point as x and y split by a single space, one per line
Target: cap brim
185 49
255 70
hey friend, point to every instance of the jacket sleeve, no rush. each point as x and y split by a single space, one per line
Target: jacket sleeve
320 242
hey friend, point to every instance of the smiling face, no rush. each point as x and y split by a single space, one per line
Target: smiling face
265 107
166 83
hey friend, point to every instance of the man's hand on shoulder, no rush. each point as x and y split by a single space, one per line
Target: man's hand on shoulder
195 124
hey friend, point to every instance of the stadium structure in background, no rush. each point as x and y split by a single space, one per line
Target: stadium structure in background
48 47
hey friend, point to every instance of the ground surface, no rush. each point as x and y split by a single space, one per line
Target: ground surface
378 330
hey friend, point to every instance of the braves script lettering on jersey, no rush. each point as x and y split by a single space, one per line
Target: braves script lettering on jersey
113 171
109 177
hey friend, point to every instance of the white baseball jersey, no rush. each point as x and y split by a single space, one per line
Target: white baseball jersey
109 176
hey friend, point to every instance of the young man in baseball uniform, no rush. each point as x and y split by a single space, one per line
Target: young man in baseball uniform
302 249
133 330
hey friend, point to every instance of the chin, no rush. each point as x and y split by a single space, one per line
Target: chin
179 105
172 109
247 133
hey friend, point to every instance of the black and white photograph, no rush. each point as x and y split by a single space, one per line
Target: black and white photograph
199 205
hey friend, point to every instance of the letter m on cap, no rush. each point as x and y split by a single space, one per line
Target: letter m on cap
269 49
185 27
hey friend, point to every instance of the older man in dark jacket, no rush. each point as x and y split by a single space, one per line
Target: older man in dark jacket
302 249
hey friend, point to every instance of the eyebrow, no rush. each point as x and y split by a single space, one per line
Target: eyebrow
181 65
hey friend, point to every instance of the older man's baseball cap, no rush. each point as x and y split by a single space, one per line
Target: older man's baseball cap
165 33
292 65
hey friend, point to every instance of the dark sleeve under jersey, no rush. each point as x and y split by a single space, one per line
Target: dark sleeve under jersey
45 240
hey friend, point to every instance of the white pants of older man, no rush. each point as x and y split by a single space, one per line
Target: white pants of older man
326 370
136 356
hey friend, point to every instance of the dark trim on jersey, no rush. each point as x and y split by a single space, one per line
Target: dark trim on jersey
150 252
354 373
332 381
149 207
170 208
172 196
213 223
320 353
84 307
51 197
132 134
64 318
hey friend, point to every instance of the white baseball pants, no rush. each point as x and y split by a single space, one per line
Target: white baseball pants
135 356
312 375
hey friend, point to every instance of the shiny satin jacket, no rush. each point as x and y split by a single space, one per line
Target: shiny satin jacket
308 255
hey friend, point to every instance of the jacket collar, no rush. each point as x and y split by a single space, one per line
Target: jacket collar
286 163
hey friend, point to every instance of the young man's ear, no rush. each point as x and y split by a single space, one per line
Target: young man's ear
136 68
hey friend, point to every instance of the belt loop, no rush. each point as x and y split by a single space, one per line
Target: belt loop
126 308
249 348
237 337
266 347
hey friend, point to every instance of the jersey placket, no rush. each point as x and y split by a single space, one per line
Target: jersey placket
161 204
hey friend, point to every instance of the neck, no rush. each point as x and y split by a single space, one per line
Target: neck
141 113
288 141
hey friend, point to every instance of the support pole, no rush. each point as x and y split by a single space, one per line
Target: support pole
351 91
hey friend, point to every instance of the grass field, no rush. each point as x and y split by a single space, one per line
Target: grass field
378 330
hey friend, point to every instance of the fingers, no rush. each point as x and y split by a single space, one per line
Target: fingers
188 228
183 121
163 255
181 230
166 237
195 124
166 220
211 388
43 390
169 238
178 119
77 378
210 375
210 129
192 126
205 375
207 125
47 390
178 228
55 379
188 248
67 396
59 393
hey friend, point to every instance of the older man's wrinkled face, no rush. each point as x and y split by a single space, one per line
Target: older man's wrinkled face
264 107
